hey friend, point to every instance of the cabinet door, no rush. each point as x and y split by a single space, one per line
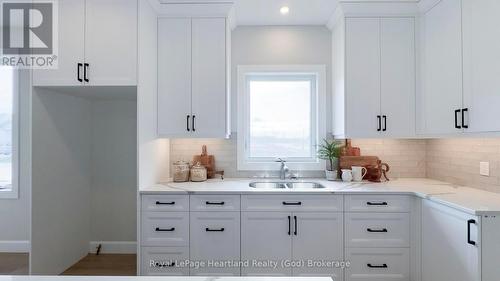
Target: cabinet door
215 237
70 50
111 42
398 76
265 236
317 237
446 253
362 77
481 38
441 93
209 77
174 77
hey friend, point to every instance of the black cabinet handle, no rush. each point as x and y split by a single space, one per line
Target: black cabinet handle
289 225
292 203
377 230
187 123
463 118
469 222
165 203
377 266
165 229
385 123
376 203
295 228
78 72
214 230
456 119
85 72
379 119
194 123
215 203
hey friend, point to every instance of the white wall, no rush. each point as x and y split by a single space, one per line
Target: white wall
113 170
14 213
60 181
270 45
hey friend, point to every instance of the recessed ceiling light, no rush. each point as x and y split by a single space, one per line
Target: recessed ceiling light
284 10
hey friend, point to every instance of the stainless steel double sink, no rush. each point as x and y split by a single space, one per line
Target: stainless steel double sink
285 185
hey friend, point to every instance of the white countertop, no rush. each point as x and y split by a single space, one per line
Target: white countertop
470 200
162 278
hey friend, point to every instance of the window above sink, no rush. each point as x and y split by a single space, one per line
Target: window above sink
281 113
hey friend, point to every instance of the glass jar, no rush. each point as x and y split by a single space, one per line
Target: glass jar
198 173
181 171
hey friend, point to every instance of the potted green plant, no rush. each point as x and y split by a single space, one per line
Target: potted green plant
330 151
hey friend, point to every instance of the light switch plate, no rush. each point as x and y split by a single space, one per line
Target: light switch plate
484 168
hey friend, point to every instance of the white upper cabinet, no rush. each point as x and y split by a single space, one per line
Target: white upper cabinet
174 73
440 102
71 47
362 77
111 42
97 44
481 45
193 92
374 81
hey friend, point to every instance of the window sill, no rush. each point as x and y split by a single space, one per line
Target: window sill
8 194
272 166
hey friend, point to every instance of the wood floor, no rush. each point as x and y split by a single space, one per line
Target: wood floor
104 265
14 264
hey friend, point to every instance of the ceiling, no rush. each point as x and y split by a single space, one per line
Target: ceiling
267 12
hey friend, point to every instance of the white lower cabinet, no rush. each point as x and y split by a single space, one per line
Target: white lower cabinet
215 243
165 229
450 244
379 264
286 244
377 230
164 261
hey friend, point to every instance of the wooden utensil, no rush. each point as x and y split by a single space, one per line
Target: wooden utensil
349 150
208 161
346 162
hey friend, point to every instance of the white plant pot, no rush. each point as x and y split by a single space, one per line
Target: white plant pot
331 175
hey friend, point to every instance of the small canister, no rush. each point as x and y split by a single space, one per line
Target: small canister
181 171
198 173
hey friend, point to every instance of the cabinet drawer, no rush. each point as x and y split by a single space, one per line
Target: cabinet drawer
215 203
164 261
377 203
165 229
165 203
375 264
215 236
377 230
294 203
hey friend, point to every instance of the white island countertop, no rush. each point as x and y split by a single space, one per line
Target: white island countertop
470 200
163 278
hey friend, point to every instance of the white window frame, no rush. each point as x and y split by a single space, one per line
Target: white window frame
243 131
13 193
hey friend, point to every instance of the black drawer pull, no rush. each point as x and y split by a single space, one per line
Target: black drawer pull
377 266
292 203
289 225
165 203
165 229
214 230
379 119
376 203
215 203
377 230
456 119
295 229
469 222
157 264
463 118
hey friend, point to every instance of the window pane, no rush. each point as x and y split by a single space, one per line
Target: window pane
6 117
280 118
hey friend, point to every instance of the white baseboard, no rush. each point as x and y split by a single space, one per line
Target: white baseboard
114 247
15 246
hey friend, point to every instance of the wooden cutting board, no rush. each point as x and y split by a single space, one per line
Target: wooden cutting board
349 150
346 162
208 161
